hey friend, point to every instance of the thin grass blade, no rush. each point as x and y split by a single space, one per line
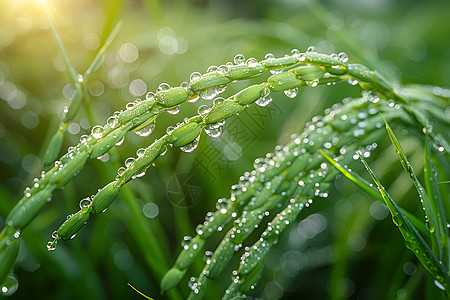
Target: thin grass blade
435 198
97 61
365 186
72 73
139 292
413 239
430 219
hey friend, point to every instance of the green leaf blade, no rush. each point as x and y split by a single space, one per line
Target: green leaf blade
97 61
436 202
430 219
413 240
364 185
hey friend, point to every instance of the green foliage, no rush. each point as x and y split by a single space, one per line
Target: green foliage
291 218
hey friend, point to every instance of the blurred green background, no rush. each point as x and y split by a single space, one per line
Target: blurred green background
344 246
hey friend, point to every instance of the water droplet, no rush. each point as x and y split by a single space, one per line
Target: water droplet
129 105
129 161
439 285
218 100
397 220
26 192
120 171
195 76
163 87
239 59
146 131
9 285
218 124
291 93
192 283
264 101
185 242
352 81
265 92
312 83
138 175
311 49
209 94
222 204
251 62
120 142
112 122
80 78
84 138
207 257
51 245
334 55
97 131
174 110
191 146
193 99
269 56
140 152
200 229
295 52
222 70
203 110
170 129
211 69
214 131
85 203
149 96
343 57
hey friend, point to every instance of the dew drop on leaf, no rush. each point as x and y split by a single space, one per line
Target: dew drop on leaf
146 131
204 109
269 56
174 110
311 49
97 131
195 76
213 131
343 57
9 285
239 59
191 146
264 101
291 93
150 96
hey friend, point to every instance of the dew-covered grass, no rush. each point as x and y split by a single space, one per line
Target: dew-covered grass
278 109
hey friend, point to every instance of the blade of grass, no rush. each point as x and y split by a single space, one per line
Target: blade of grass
436 201
430 220
112 12
139 292
55 144
96 61
413 239
365 186
72 73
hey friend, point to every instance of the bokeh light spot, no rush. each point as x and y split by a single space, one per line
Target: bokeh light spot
128 53
150 210
138 87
